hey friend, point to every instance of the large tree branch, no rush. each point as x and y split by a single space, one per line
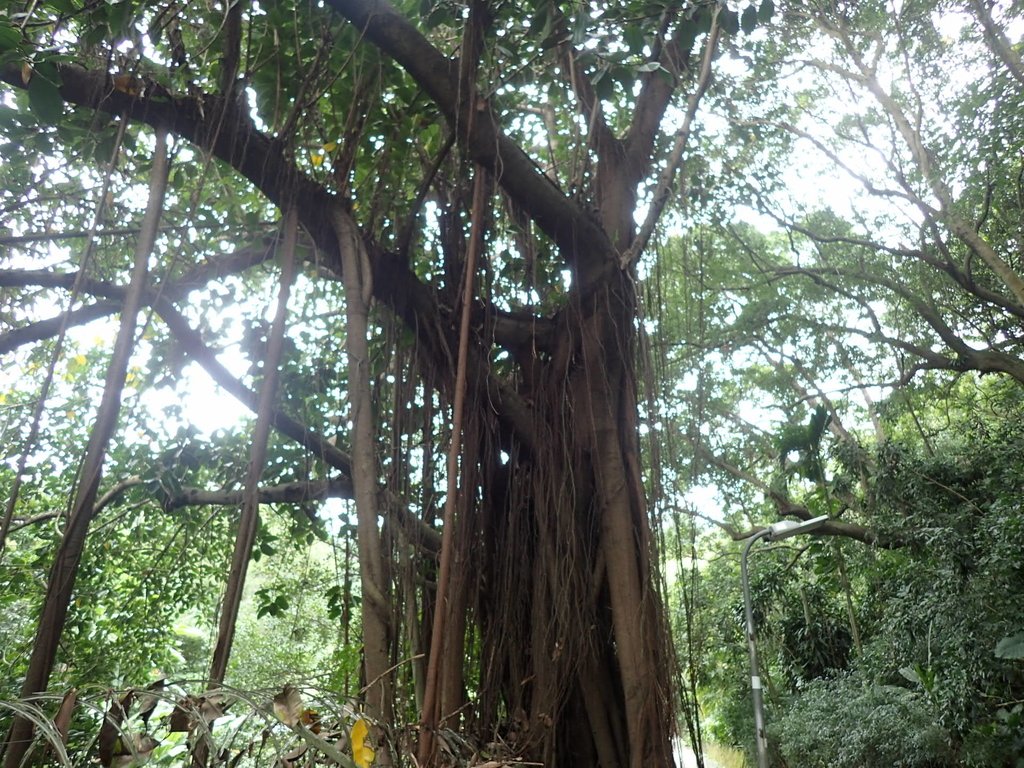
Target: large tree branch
580 239
303 491
72 234
285 493
788 508
663 190
222 127
198 276
113 295
966 357
833 527
421 312
515 332
657 90
50 327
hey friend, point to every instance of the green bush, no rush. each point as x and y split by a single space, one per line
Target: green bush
851 723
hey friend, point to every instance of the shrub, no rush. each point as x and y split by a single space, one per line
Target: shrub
849 722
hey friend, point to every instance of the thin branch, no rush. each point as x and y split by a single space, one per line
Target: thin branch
928 168
194 346
409 227
249 517
36 237
998 41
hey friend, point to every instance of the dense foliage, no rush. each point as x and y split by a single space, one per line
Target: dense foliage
835 355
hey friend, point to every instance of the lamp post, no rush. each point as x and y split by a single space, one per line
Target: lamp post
775 532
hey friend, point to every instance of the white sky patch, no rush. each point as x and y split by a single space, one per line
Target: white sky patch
705 499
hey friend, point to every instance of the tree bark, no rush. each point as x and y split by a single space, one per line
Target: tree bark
373 564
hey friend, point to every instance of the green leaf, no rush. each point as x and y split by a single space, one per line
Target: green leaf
633 36
541 21
10 37
766 11
730 21
440 15
63 6
44 97
748 21
580 28
1011 647
604 86
119 17
8 116
688 31
94 35
703 18
820 419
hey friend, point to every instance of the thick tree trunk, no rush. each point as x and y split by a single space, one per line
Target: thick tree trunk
606 432
569 611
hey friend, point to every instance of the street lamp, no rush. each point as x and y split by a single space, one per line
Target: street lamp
775 532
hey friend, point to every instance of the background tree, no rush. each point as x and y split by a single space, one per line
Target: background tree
377 123
869 327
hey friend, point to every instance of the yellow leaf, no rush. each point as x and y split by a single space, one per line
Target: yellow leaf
330 146
361 753
26 73
311 719
318 159
132 86
80 360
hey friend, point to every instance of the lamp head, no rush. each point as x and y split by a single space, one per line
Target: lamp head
786 528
